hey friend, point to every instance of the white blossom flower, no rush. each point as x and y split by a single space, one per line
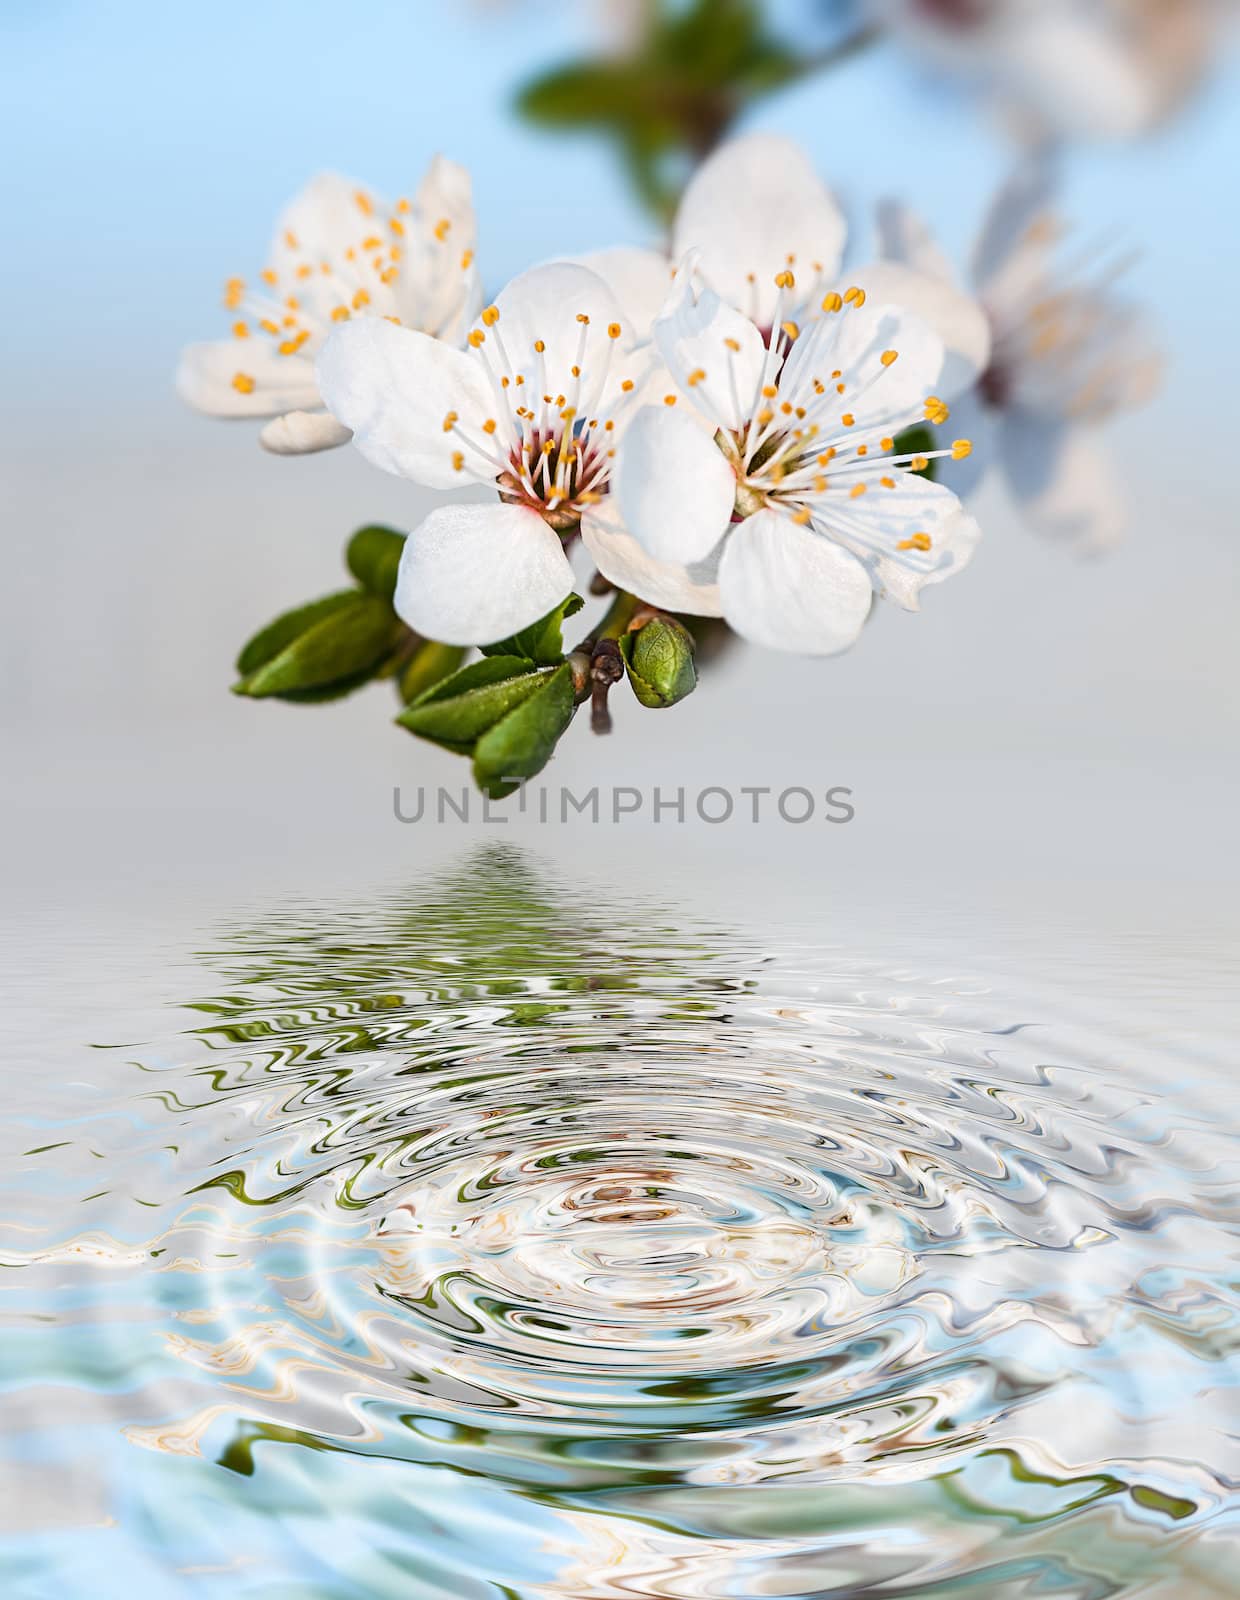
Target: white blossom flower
1068 352
1075 68
339 253
798 507
755 208
532 408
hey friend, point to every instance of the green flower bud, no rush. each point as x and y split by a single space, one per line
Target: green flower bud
373 557
659 660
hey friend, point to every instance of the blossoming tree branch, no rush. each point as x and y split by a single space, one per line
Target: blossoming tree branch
731 428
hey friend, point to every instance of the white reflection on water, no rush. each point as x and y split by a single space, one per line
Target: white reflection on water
485 1242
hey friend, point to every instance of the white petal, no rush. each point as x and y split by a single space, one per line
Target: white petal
323 220
472 574
394 388
1064 483
298 433
618 556
875 525
955 316
695 336
904 238
438 288
750 206
547 305
788 588
639 279
209 374
673 487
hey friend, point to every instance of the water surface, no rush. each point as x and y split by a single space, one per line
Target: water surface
499 1238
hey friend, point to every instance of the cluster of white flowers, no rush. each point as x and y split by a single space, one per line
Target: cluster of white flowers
719 425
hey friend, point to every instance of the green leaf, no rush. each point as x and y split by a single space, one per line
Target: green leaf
915 441
268 642
373 557
342 647
542 641
459 710
430 664
521 744
659 661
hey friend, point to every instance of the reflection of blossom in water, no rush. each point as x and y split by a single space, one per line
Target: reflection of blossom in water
531 1248
1080 68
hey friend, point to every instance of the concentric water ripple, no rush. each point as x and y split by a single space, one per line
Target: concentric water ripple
488 1244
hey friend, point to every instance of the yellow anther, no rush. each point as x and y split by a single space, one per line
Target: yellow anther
489 425
372 241
732 344
764 416
887 444
802 516
669 399
467 260
288 322
961 449
548 446
397 226
490 316
828 455
613 330
234 289
833 302
450 421
770 391
403 206
304 271
848 419
786 408
919 463
785 280
241 330
919 541
791 329
476 338
854 297
888 483
840 387
458 460
936 411
290 239
268 326
292 302
863 449
582 318
243 383
575 370
442 228
627 385
387 317
268 275
857 490
697 376
360 299
539 346
363 202
820 486
290 347
890 357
